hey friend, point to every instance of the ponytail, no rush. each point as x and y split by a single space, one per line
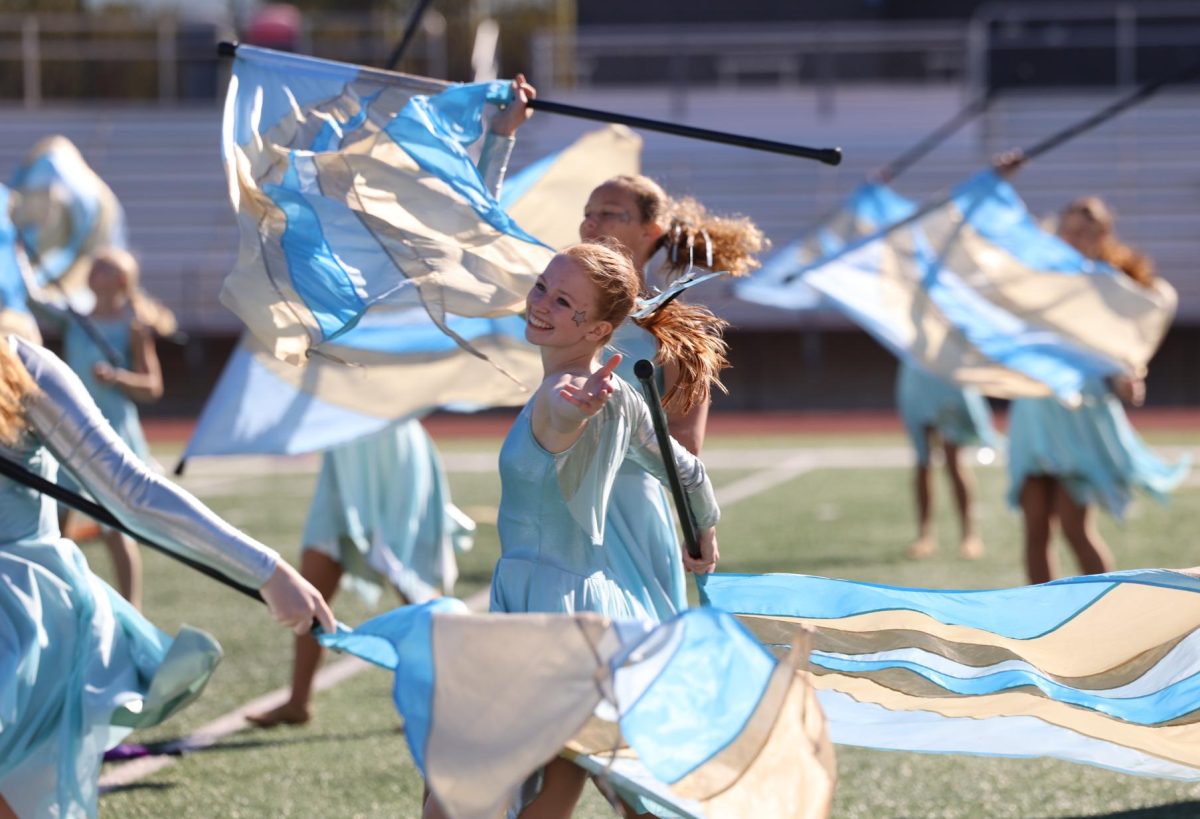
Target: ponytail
690 339
15 384
1134 264
694 236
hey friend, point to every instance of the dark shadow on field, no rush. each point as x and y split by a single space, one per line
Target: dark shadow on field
137 786
252 739
1180 810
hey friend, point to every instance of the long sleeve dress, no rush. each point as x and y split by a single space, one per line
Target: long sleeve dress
80 667
553 521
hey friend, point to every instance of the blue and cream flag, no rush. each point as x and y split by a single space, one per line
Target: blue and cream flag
14 298
973 291
1102 669
693 714
262 405
354 192
64 213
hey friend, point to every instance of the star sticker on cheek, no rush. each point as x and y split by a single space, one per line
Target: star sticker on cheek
580 317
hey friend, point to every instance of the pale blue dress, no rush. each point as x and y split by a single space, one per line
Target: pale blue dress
555 551
82 354
641 534
80 667
959 415
382 510
1093 451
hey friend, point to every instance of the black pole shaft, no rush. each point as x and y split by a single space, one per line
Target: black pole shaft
94 510
1049 143
943 132
410 30
644 370
1135 97
829 156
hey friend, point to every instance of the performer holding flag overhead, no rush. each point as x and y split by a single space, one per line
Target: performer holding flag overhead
84 667
1064 460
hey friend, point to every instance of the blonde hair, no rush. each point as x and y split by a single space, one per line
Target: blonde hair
146 309
1133 263
690 232
689 336
15 385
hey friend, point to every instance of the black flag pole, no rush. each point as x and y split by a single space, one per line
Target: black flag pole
21 475
935 138
410 29
829 156
644 370
1042 146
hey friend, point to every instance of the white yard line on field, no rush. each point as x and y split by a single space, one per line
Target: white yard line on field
127 773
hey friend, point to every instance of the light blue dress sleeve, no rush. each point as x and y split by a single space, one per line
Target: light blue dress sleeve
71 427
623 429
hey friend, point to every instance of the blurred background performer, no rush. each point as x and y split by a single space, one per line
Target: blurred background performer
934 410
127 319
1064 461
382 505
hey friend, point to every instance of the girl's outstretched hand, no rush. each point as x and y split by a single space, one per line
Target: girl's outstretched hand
709 553
294 602
590 396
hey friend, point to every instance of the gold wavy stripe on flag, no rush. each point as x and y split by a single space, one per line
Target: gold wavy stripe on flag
1132 618
1175 743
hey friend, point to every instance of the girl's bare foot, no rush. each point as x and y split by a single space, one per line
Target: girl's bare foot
287 714
971 548
923 548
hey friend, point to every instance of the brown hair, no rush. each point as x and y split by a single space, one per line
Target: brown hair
146 309
1133 263
15 384
689 336
690 232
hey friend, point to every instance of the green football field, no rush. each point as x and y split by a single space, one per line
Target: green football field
839 507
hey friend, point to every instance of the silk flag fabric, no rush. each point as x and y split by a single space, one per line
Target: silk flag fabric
64 213
14 308
700 717
354 193
973 291
265 406
1102 669
548 197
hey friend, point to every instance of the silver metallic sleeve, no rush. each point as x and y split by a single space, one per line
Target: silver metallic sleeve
65 418
644 450
493 161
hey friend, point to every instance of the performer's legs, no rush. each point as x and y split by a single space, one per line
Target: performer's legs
324 573
925 544
963 483
127 562
562 785
1078 525
1037 506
